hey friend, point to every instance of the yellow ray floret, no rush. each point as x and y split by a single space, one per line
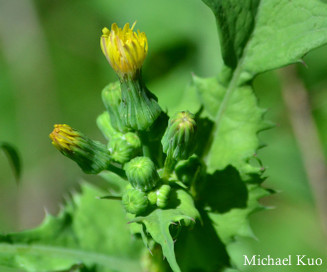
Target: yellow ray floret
124 49
64 137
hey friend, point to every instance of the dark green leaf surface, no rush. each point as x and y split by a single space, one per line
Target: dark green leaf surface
235 20
86 232
235 222
200 248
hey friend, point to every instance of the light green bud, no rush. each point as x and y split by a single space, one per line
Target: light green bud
178 140
111 97
142 174
104 124
135 201
152 196
124 147
163 196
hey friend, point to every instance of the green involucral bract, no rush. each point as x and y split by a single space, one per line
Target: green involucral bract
139 108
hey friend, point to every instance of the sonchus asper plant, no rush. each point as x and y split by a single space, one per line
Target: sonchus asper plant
185 184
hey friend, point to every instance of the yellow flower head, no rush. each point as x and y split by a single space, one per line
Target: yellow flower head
64 137
124 49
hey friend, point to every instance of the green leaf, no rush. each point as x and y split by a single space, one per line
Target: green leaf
284 32
255 36
237 121
13 156
158 222
260 35
85 232
235 20
200 249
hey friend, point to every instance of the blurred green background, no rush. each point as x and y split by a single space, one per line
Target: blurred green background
52 71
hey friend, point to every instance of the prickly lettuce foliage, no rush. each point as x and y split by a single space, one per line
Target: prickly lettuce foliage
213 191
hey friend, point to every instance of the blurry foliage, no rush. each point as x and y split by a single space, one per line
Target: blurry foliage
52 71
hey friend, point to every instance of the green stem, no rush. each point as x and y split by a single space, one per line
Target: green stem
169 166
146 150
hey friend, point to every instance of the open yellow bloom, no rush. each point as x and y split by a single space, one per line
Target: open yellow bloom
124 49
64 137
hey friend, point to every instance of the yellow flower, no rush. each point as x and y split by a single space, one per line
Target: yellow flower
124 49
64 137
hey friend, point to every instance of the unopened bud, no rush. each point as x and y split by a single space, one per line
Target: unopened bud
124 147
135 201
178 140
104 124
91 156
141 173
163 196
111 97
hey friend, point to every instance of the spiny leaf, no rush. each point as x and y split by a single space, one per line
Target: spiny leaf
85 232
157 223
237 121
14 158
255 36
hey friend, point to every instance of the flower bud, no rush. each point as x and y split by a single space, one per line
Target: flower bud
126 50
124 147
111 97
141 173
104 124
163 196
178 140
91 156
152 197
135 201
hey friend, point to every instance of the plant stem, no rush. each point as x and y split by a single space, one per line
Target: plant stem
169 166
306 134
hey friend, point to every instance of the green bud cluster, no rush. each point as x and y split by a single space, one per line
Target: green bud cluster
140 144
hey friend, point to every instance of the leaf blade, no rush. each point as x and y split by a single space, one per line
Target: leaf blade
14 158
